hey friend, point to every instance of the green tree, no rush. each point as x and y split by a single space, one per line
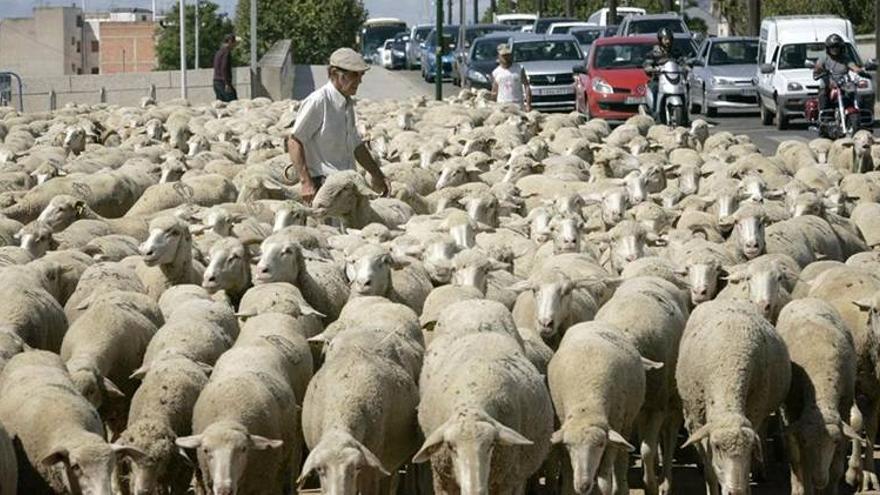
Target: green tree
315 27
213 26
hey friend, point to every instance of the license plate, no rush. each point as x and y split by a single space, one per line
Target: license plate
553 91
747 92
635 100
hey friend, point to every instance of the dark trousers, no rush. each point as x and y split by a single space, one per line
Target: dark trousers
318 181
221 93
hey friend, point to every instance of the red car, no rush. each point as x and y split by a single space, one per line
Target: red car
613 84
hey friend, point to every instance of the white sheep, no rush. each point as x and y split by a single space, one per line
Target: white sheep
346 195
373 271
167 257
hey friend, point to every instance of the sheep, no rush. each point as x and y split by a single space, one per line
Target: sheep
111 247
342 397
228 269
766 281
64 210
473 268
346 195
101 350
373 270
280 297
8 463
161 411
733 371
101 278
167 257
440 299
816 411
243 431
33 313
596 403
655 331
323 283
203 190
62 445
485 413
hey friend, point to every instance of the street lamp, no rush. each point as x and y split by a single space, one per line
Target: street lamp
182 6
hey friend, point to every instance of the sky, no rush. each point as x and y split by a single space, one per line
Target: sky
411 11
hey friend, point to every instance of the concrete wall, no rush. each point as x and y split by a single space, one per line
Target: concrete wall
127 47
277 72
42 45
125 89
865 44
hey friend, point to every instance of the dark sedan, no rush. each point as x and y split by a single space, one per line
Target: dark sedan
482 60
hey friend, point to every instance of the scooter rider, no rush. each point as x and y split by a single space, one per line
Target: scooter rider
835 63
662 52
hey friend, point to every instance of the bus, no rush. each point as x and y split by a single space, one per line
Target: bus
374 33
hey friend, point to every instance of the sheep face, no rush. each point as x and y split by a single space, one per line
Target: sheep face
727 203
455 174
227 268
94 387
164 241
437 260
654 178
62 211
614 206
627 244
154 129
147 469
36 239
731 457
518 167
468 439
689 180
566 235
223 451
338 458
219 221
540 230
179 138
586 445
807 204
817 448
45 172
483 209
172 171
289 215
280 261
750 235
74 140
552 306
88 467
703 281
370 273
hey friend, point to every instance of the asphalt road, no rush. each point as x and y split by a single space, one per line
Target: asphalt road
767 138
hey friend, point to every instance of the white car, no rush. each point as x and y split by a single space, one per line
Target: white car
565 27
601 17
385 53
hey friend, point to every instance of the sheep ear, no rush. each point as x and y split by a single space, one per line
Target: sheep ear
244 315
557 437
774 194
190 442
698 435
509 436
206 368
135 454
112 389
272 185
306 310
140 373
263 443
80 207
650 365
372 460
863 305
497 265
307 468
849 432
397 262
57 456
432 443
319 339
617 440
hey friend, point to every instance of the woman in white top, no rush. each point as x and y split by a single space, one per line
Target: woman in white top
509 81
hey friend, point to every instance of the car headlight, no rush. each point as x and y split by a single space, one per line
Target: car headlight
477 76
602 87
793 86
720 81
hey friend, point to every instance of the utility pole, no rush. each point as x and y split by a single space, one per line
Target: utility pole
181 6
154 10
461 14
569 8
612 12
476 11
448 13
754 17
493 7
253 41
438 52
196 47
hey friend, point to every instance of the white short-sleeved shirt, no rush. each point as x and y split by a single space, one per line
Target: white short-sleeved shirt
510 84
327 128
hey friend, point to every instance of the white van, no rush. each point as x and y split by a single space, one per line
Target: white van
787 46
515 20
600 17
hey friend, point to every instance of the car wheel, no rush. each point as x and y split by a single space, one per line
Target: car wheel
781 119
709 111
766 116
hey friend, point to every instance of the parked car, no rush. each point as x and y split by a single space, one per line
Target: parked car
466 36
395 54
565 27
383 53
542 23
651 23
548 62
587 35
417 36
515 21
601 17
787 46
429 56
723 75
482 60
613 83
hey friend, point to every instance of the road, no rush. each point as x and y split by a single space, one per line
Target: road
380 84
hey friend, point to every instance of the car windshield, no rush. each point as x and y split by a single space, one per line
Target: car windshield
375 36
471 34
632 55
795 56
734 52
486 50
532 51
450 35
585 37
422 33
652 26
517 22
541 25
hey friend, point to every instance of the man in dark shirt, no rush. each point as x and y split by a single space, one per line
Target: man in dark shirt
662 52
223 88
835 63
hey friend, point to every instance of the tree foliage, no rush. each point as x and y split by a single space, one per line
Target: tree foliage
315 27
213 26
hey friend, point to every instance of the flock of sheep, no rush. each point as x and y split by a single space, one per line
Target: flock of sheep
541 299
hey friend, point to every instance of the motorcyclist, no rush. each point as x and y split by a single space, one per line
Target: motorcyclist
836 63
662 52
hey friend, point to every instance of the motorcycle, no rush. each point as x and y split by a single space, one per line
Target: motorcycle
670 106
844 116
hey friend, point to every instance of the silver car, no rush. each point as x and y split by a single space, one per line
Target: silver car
548 61
414 45
722 75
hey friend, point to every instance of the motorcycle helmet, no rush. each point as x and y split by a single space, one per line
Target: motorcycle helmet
666 33
833 41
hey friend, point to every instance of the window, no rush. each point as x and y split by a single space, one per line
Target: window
79 21
72 41
78 47
79 71
734 53
95 70
95 46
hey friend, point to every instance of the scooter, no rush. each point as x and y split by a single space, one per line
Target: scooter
670 106
844 117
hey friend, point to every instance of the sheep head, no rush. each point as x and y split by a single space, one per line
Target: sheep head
169 241
88 465
586 444
339 458
732 442
62 211
228 268
36 238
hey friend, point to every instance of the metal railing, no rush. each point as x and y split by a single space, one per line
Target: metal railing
6 89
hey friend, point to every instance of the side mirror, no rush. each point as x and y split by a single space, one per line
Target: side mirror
767 68
871 64
809 64
579 69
